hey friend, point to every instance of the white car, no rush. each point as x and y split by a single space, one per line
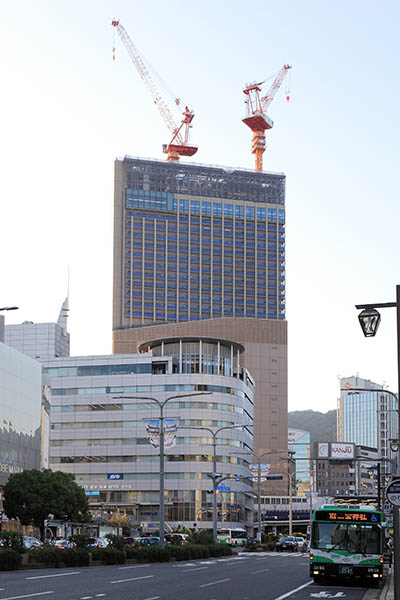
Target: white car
32 542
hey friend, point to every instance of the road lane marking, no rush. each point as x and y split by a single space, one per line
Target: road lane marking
135 567
293 591
153 598
132 579
28 595
86 597
260 571
195 569
57 575
215 583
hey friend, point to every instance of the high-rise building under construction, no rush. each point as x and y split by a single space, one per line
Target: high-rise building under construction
200 251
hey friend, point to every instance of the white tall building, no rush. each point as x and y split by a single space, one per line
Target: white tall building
367 416
41 341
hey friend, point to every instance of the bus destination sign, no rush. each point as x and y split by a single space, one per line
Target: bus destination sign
347 515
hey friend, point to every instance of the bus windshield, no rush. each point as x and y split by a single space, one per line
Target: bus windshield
353 537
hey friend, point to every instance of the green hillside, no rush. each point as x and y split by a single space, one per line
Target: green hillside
322 426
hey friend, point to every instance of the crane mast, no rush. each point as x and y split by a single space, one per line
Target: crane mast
179 144
256 117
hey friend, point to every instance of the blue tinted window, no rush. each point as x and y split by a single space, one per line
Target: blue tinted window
228 210
217 209
250 213
239 212
261 214
272 215
206 208
195 207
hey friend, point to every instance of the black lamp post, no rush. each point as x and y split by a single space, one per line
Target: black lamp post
369 320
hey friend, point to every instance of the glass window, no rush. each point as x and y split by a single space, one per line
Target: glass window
228 210
217 209
250 213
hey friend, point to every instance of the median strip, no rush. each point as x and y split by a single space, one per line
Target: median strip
215 583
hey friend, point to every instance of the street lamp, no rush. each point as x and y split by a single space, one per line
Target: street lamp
369 320
216 477
260 476
161 404
9 308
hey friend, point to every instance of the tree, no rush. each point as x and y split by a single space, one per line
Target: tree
31 496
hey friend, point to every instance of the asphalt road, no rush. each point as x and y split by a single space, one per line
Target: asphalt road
248 576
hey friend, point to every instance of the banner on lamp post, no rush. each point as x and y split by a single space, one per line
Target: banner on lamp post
264 470
170 429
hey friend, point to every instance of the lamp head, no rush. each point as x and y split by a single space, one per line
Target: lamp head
369 319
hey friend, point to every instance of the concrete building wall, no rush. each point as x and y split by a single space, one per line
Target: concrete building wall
100 437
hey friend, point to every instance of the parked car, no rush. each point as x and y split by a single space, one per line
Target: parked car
32 542
177 538
287 542
150 540
129 541
97 542
62 544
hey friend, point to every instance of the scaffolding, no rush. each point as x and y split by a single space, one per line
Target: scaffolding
203 180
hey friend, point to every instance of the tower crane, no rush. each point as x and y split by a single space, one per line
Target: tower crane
256 117
179 144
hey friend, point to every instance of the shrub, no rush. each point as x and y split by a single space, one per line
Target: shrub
48 555
9 560
115 541
154 554
220 550
75 557
109 556
12 540
201 537
81 540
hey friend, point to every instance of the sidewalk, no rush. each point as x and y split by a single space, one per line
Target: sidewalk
387 592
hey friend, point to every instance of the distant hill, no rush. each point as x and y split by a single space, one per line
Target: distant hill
322 426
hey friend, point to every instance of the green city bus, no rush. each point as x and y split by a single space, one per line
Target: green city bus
232 537
347 542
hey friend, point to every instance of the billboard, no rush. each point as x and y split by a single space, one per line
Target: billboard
342 451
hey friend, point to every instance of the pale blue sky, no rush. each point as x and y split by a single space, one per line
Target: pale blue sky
67 110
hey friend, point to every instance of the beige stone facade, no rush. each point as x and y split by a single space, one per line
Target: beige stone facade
265 356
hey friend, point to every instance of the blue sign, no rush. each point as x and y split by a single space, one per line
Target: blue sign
92 493
224 488
115 476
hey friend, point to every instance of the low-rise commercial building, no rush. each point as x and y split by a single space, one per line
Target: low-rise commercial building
99 430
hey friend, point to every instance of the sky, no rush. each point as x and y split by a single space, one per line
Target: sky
67 110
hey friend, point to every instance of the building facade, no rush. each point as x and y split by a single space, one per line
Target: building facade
200 251
299 443
20 409
99 430
41 341
367 415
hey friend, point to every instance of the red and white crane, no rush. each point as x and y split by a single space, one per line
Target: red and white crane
256 117
179 144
